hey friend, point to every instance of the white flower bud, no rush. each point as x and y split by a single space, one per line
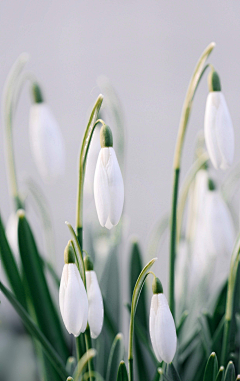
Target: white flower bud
46 142
73 300
162 329
218 130
95 304
108 188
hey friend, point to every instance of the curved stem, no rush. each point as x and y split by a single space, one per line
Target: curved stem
135 297
196 77
12 92
83 160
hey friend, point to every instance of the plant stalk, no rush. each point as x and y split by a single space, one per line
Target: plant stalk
186 111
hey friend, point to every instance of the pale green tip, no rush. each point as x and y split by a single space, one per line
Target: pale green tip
21 213
88 263
214 83
69 379
106 138
37 93
211 185
69 256
157 287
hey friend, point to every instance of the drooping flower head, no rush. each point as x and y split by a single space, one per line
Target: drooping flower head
218 128
161 325
46 139
95 301
108 182
72 295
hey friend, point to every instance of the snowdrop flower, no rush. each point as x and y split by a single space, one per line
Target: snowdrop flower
72 295
218 129
220 233
161 325
95 302
108 182
12 233
46 140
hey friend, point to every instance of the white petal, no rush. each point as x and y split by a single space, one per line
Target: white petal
116 188
166 337
210 129
12 233
95 304
219 133
73 300
220 235
46 142
101 191
108 224
224 133
152 325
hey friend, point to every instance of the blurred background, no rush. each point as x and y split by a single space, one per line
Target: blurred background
147 50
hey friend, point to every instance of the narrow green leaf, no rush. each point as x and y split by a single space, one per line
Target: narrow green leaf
211 368
220 375
122 374
230 372
10 267
45 310
116 355
71 365
172 373
83 362
35 332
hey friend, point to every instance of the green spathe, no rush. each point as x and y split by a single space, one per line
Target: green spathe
106 138
88 263
157 287
37 93
214 83
69 256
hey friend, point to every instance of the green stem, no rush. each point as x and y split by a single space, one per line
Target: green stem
230 299
186 111
8 111
83 159
135 297
173 236
88 342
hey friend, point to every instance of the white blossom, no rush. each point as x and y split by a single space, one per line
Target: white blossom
95 304
108 188
46 142
162 329
73 300
218 129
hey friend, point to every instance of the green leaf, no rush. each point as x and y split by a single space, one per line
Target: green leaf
172 373
220 375
45 311
211 368
35 332
122 372
230 372
10 267
83 362
116 355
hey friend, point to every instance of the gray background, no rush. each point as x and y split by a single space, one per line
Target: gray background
148 49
